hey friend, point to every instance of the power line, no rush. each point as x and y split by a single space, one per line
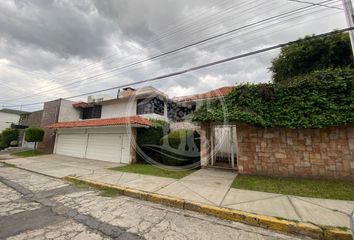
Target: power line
248 33
253 31
163 34
178 49
200 66
238 5
317 4
70 84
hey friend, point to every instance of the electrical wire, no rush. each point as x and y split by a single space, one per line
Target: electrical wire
192 69
276 17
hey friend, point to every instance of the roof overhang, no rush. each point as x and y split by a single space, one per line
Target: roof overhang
134 121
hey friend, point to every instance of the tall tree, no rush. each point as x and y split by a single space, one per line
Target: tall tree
309 54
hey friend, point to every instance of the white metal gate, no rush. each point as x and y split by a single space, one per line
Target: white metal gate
223 146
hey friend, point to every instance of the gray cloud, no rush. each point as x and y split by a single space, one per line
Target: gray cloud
48 44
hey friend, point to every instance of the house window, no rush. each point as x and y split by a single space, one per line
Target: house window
178 111
91 112
150 105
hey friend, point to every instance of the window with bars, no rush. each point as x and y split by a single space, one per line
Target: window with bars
91 112
150 105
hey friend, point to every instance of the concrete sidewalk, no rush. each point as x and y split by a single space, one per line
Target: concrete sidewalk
208 186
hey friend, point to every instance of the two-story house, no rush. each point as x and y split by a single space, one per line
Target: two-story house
101 128
104 127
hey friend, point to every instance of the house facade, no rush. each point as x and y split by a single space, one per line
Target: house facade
104 127
101 128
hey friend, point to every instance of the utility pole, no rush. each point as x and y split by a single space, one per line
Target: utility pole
349 15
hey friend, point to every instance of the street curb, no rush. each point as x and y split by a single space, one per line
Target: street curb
335 233
267 222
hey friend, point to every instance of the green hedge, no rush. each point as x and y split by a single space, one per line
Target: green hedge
34 134
319 99
151 136
175 154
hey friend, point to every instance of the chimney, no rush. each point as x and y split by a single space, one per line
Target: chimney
128 91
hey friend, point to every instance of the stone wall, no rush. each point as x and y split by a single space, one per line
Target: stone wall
315 153
50 116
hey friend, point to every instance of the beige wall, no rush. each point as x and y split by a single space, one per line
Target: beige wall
67 112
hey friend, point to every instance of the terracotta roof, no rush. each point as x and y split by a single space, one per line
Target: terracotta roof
80 104
103 122
211 94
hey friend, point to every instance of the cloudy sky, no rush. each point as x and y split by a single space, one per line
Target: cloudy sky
61 48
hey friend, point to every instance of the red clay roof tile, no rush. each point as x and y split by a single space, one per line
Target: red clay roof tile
103 122
220 92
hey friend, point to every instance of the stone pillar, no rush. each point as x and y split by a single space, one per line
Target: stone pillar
204 144
132 147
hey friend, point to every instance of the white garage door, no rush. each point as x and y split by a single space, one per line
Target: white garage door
105 147
71 145
111 147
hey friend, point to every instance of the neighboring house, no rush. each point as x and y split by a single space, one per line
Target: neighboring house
9 117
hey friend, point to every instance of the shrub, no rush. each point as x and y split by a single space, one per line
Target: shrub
149 137
180 147
8 135
316 100
3 145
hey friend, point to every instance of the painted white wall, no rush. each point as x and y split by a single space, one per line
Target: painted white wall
124 107
154 116
67 112
8 117
120 108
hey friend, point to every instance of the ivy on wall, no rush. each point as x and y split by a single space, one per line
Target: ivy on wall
319 99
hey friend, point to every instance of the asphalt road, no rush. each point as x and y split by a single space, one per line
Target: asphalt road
34 206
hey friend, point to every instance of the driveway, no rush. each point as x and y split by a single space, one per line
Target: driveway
61 166
34 206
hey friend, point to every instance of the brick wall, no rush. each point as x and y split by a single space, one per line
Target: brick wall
316 153
50 116
32 119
